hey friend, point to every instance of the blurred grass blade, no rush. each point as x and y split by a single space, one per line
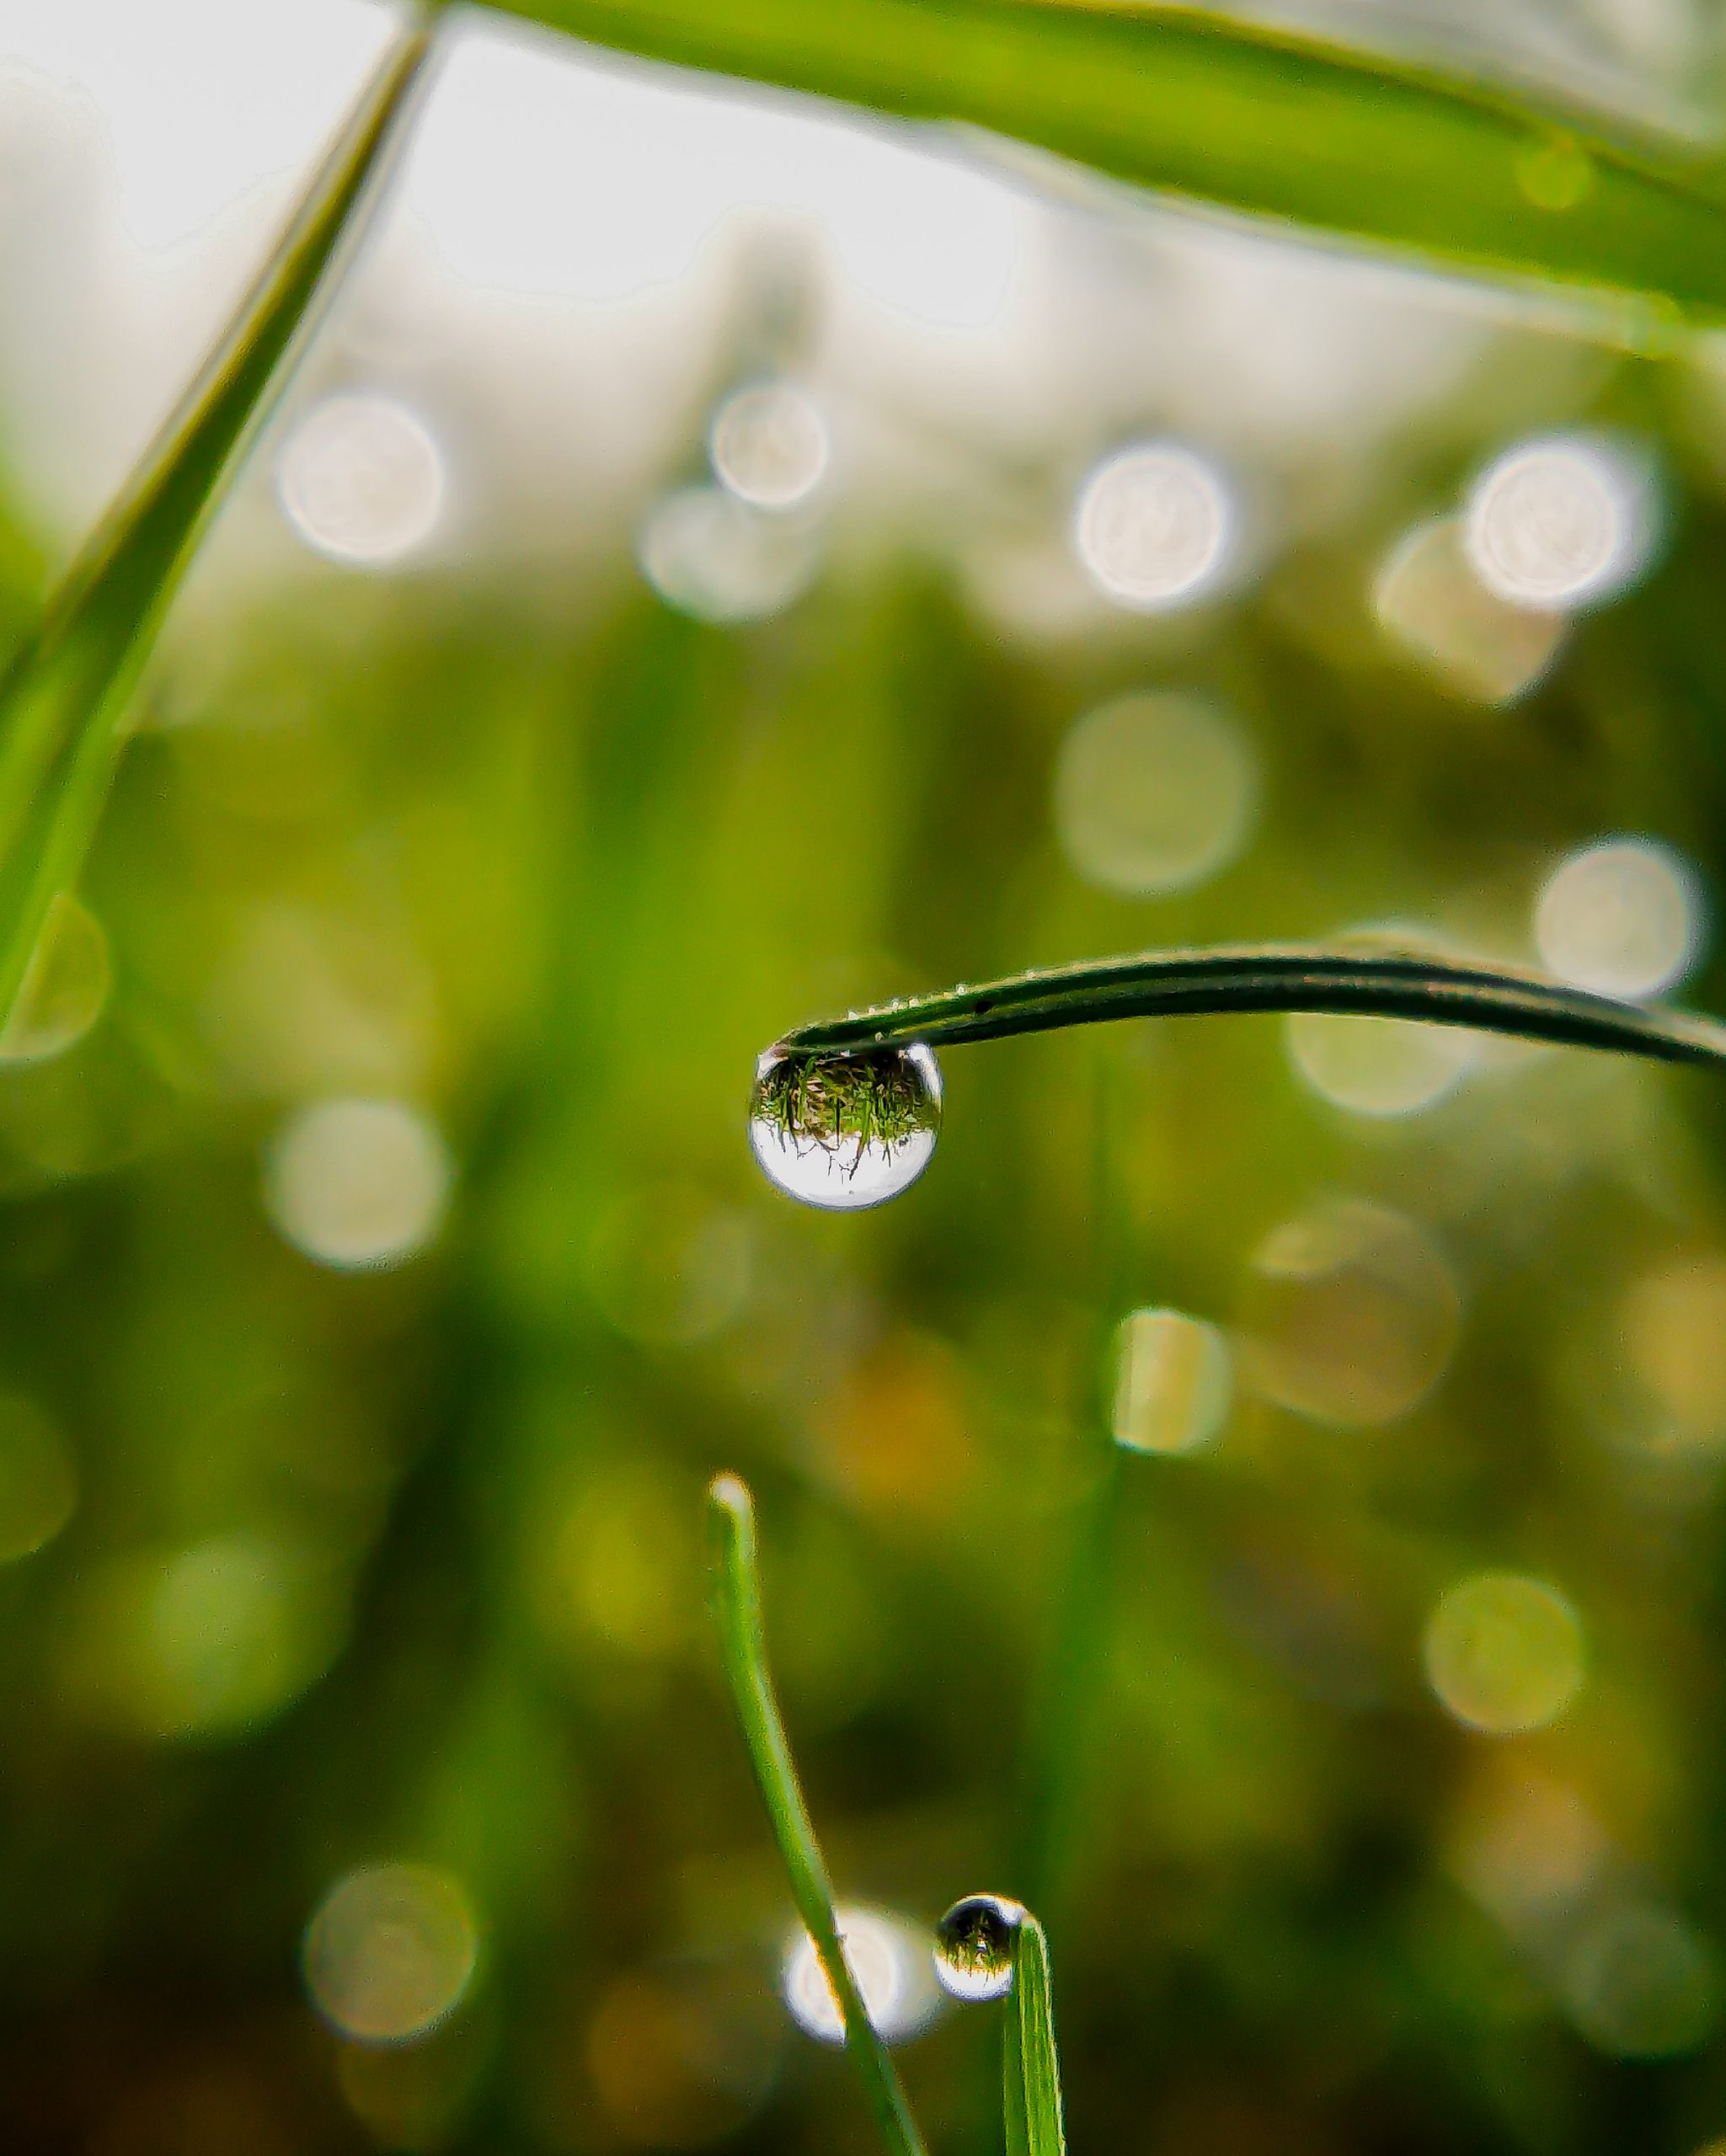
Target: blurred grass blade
1237 114
743 1648
1275 977
1032 2069
63 698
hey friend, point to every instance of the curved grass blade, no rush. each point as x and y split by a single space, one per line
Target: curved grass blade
1231 113
737 1611
1030 2066
1274 977
63 699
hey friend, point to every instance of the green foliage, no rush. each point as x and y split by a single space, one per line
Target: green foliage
1232 114
1031 2068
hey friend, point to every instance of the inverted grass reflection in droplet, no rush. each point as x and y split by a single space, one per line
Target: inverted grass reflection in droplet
65 988
1504 1652
974 1944
845 1132
1623 917
1154 526
1174 1381
892 1960
1155 793
360 480
769 445
1559 522
390 1951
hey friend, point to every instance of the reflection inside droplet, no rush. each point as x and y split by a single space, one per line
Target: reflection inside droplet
1155 793
845 1132
975 1945
391 1951
1430 597
713 557
1623 917
1503 1653
360 480
891 1963
64 986
357 1183
1174 1380
1351 1313
1559 522
1153 526
769 445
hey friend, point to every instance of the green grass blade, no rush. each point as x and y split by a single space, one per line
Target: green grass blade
1030 2045
63 700
1275 977
1234 114
737 1611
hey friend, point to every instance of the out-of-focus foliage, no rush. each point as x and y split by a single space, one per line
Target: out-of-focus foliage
386 1274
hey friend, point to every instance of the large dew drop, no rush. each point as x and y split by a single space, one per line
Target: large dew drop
973 1945
844 1132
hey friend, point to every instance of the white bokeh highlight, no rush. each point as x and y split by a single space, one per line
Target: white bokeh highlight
1622 917
1561 521
360 480
769 445
892 1962
1153 526
356 1184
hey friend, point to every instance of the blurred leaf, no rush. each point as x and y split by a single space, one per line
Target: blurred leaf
1253 119
737 1609
1272 977
64 699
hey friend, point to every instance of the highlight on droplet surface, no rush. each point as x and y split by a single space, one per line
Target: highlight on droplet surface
975 1945
360 480
64 987
1154 526
1174 1382
1350 1313
1559 522
768 443
845 1132
39 1489
357 1183
1429 597
892 1960
720 560
1504 1652
1623 917
1641 1981
391 1951
1155 793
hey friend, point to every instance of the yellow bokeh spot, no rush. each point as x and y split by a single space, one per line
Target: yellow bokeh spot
1504 1652
1174 1382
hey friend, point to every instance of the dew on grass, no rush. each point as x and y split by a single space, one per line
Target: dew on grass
973 1945
845 1132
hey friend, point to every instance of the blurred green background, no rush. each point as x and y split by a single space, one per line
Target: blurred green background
385 1272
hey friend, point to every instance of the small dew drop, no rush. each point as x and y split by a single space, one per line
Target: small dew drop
845 1132
973 1945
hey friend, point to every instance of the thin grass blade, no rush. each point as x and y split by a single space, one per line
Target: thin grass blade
64 698
1234 114
1382 984
736 1595
1037 2110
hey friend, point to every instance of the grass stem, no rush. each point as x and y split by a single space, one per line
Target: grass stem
737 1610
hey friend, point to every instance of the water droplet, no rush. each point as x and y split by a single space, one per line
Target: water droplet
973 1945
844 1132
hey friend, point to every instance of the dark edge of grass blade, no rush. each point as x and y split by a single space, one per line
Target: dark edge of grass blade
737 1612
63 700
1272 977
1032 2022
